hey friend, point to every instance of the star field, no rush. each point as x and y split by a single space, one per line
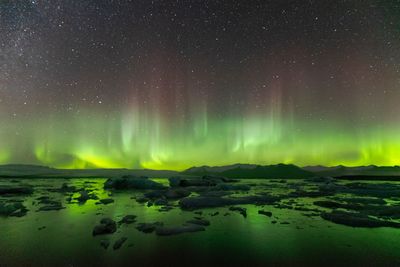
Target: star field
171 84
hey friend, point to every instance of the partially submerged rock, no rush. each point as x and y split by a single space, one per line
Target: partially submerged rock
119 243
175 230
148 227
16 190
266 213
242 211
85 195
105 201
105 243
128 219
186 182
201 222
191 203
160 202
106 226
378 190
15 209
65 188
132 182
52 205
356 219
232 187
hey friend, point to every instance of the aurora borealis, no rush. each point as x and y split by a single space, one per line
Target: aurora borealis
172 84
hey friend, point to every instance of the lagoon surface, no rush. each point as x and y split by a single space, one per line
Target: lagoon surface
295 234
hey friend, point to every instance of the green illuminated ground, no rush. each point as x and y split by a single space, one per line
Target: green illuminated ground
295 234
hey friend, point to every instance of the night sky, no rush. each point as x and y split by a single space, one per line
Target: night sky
172 84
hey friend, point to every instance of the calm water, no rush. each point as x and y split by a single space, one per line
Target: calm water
230 240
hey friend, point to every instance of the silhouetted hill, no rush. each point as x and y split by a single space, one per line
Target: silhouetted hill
252 171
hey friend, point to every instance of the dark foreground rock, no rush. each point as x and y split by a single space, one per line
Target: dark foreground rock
131 182
85 195
128 219
15 190
201 222
16 209
148 227
186 182
105 243
378 190
171 193
242 211
207 180
232 187
175 230
356 219
105 201
106 226
192 203
118 244
52 205
266 213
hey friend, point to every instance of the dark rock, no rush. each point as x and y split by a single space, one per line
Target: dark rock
142 199
362 200
155 194
356 219
242 211
148 227
66 188
128 219
266 213
176 193
106 226
321 179
119 243
161 202
172 193
219 179
201 222
105 243
105 201
131 182
381 190
165 208
15 190
232 187
191 203
85 195
302 193
174 181
392 212
15 209
186 182
52 205
215 193
171 230
329 204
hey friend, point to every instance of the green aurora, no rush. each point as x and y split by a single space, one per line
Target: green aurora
134 142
